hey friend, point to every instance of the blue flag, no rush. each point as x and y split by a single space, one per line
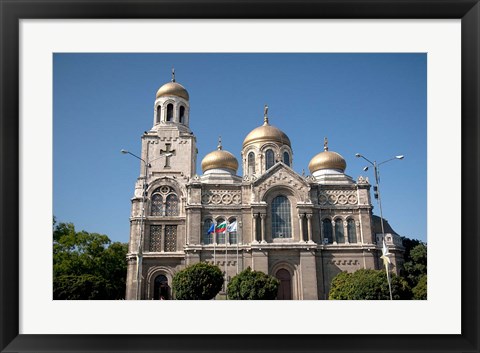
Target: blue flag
211 229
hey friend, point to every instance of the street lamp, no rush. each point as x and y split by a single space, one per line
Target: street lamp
376 194
377 181
142 224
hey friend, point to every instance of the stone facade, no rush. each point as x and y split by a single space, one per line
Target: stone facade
302 229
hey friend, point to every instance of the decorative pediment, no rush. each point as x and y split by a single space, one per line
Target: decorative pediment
283 176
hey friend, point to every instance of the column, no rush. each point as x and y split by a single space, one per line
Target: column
334 236
345 232
309 227
262 218
357 225
162 239
300 219
254 228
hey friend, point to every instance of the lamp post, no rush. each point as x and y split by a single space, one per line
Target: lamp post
142 224
376 194
376 189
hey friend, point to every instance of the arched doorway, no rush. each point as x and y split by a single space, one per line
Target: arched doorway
285 288
161 290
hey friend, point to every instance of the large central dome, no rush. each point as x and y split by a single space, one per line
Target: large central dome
266 133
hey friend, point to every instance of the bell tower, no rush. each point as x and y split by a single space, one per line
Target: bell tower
170 146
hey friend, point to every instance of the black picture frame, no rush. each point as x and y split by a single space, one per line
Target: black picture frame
11 11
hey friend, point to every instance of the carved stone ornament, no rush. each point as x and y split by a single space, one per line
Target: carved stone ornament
221 197
337 197
362 180
344 263
285 179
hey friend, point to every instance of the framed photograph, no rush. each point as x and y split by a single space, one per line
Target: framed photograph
48 49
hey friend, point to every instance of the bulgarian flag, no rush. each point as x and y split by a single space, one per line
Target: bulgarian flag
221 227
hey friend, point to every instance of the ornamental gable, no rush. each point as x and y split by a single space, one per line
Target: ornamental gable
282 176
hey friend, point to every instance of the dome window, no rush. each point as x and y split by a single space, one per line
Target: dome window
269 159
159 110
182 115
170 112
251 163
286 158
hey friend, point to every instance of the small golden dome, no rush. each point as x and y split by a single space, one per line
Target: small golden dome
266 133
173 89
327 160
219 159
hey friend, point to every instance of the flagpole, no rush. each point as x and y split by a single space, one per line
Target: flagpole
386 262
389 282
237 247
226 260
214 235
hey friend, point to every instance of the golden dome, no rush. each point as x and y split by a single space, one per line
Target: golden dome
266 133
173 89
327 160
219 159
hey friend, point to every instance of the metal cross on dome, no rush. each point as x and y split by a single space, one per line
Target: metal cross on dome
167 152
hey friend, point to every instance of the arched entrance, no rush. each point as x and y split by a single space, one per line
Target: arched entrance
285 288
161 290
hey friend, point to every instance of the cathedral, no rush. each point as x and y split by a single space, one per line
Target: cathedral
303 230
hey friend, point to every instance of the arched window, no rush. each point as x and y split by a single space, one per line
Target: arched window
232 231
286 158
281 218
171 207
351 231
156 208
220 235
170 112
327 231
251 163
159 109
161 288
339 234
182 115
269 159
206 236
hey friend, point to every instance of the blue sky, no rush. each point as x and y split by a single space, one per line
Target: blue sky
374 104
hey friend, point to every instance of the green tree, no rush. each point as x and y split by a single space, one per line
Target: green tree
252 285
87 265
368 285
415 265
200 281
420 290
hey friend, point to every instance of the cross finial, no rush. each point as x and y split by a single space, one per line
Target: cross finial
173 74
265 115
219 147
325 144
